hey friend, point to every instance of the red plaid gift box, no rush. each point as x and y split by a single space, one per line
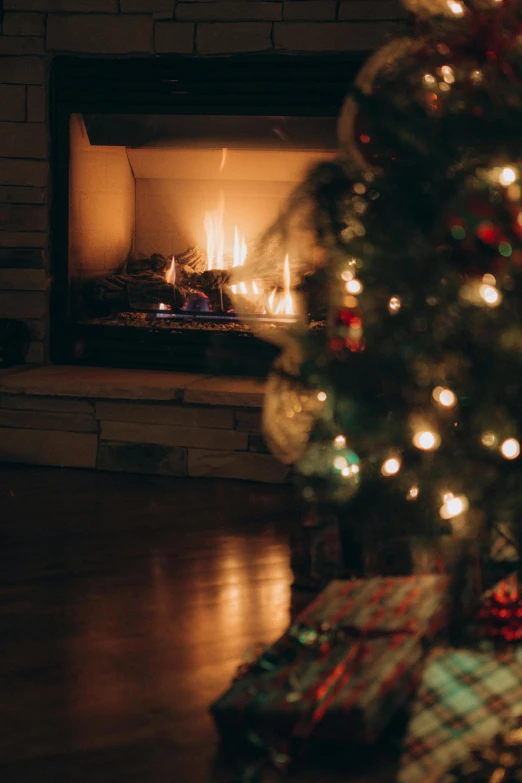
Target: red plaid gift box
464 699
345 667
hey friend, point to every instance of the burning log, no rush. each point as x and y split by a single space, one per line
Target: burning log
131 290
156 263
193 260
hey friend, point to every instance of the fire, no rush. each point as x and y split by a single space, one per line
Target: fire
240 254
170 274
215 232
285 305
170 277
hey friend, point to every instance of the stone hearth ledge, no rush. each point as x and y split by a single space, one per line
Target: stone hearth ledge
106 383
139 421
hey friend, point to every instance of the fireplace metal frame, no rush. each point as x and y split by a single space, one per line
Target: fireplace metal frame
246 85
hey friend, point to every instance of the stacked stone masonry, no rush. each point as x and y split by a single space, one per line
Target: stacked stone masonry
34 31
175 424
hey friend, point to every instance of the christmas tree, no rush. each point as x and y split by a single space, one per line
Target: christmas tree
406 411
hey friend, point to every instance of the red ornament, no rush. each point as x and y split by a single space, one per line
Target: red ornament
346 316
488 233
501 612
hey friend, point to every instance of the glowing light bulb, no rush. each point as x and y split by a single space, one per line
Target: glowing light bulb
448 74
413 493
489 439
489 279
322 396
347 275
394 305
444 397
355 469
339 442
354 286
507 176
429 78
346 472
426 440
340 463
510 448
455 7
490 295
453 505
391 466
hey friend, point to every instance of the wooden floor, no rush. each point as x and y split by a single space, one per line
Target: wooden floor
126 603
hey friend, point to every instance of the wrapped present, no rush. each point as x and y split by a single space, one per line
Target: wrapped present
499 761
345 667
464 699
504 545
500 613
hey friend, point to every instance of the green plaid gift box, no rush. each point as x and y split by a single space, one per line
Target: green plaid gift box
464 699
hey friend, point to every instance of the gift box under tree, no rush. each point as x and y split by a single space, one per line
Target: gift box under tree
343 670
465 698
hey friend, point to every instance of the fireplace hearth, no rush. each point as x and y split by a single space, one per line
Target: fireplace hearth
167 175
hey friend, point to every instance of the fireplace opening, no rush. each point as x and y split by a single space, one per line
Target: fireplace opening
165 192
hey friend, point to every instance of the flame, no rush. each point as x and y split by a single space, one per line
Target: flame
223 159
215 231
285 306
215 236
170 274
240 254
285 303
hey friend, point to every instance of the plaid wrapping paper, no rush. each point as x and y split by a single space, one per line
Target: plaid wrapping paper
342 671
416 604
504 544
464 699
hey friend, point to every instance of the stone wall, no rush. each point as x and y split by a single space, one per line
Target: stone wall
138 421
34 31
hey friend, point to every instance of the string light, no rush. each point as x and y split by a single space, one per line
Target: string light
448 74
322 396
507 176
347 275
354 286
394 305
490 295
489 439
339 442
453 505
355 469
429 78
426 440
444 397
413 493
346 472
391 466
510 448
455 7
340 462
489 279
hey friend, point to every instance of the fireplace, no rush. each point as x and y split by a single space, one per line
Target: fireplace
167 175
